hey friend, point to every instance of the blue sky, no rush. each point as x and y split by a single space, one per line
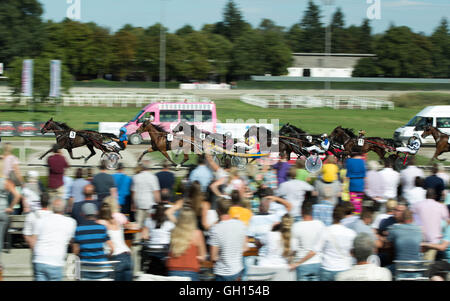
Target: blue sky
420 15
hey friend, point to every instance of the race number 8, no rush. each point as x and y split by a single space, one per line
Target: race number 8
360 142
274 141
72 134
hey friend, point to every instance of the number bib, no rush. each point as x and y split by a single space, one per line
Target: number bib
274 141
309 138
360 142
202 136
169 137
72 134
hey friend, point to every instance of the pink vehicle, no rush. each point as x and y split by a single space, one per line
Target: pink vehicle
168 115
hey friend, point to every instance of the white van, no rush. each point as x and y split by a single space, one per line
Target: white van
437 116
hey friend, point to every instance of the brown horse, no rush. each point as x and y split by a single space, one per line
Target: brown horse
441 139
62 131
349 140
159 141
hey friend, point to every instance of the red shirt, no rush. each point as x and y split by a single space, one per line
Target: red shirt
56 165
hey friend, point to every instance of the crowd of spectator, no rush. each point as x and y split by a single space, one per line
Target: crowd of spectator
354 220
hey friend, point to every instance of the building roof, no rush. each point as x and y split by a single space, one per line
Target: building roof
323 60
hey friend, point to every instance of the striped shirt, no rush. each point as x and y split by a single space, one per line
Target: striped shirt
91 238
229 236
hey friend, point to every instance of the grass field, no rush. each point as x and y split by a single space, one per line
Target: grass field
380 123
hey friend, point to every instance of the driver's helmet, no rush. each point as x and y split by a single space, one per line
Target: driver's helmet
123 129
228 134
416 135
324 136
252 141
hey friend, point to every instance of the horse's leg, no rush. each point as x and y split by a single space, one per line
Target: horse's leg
91 148
168 157
149 150
40 158
69 150
185 158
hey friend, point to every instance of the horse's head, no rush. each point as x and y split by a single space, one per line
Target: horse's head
427 131
287 129
145 126
48 126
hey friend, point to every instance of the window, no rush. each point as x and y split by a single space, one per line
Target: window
443 122
196 116
420 122
168 116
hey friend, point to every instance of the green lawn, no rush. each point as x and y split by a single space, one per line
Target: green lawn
376 122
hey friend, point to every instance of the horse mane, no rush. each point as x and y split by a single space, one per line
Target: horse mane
63 125
297 129
159 128
349 132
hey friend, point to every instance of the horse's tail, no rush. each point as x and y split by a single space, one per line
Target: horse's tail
108 135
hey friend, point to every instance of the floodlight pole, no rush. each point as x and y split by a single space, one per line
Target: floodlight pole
328 3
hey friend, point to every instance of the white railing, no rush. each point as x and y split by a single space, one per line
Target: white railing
110 100
335 102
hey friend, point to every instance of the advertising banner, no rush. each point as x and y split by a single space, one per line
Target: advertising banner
27 78
55 78
22 129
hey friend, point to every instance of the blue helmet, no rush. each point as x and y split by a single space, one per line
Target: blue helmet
123 129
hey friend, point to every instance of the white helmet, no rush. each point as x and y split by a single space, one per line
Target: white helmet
416 135
324 135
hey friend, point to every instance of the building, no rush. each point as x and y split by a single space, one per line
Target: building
325 65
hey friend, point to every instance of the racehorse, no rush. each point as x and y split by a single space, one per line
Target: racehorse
349 141
286 145
190 130
310 139
159 141
63 132
441 139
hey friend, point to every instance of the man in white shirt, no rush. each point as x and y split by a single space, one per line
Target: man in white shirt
305 235
391 180
335 245
363 248
408 177
146 192
49 242
228 241
294 192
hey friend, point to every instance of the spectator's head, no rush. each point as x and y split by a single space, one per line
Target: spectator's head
201 160
338 214
89 191
292 173
181 236
388 163
105 212
227 163
165 164
307 209
89 210
33 176
300 163
56 149
366 216
103 165
419 182
363 247
390 206
329 173
431 194
235 198
112 202
434 169
165 195
195 197
283 157
348 208
45 200
144 165
58 206
223 206
159 214
7 149
373 165
79 173
407 216
398 212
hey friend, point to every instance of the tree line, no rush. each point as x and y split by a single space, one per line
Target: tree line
231 49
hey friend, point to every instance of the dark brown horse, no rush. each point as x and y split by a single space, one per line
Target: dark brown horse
349 141
441 139
68 138
160 142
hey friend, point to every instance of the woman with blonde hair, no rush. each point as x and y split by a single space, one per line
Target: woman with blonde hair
10 168
187 247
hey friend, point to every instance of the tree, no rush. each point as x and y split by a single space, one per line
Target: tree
294 38
233 24
186 29
338 33
365 38
313 31
441 50
21 29
124 44
41 78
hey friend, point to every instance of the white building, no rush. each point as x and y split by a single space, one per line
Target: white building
325 65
